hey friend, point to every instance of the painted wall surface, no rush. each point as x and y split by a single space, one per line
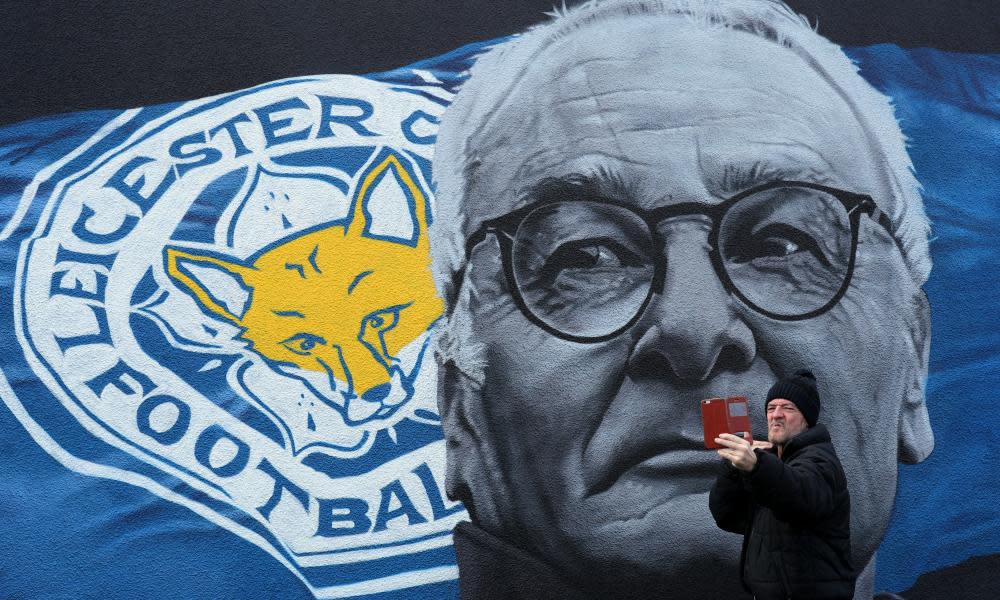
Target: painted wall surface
219 377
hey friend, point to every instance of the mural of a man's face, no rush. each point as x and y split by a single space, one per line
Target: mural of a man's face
589 451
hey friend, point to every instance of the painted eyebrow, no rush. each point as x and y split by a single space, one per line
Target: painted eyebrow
288 313
601 185
737 177
357 280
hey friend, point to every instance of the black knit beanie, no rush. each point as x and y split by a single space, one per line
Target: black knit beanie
800 389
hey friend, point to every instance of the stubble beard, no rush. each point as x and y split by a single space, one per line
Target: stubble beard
778 438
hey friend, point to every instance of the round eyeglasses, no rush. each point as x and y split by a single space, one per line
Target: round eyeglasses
585 270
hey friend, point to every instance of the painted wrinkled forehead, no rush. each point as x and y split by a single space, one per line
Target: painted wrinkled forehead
621 96
498 74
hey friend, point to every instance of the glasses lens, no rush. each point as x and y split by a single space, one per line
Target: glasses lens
787 249
583 268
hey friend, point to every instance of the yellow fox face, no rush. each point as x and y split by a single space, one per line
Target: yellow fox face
332 306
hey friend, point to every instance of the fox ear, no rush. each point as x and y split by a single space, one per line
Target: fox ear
219 286
388 193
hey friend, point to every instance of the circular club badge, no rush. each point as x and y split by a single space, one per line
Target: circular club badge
229 303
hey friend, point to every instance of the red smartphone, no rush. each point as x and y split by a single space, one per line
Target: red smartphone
725 415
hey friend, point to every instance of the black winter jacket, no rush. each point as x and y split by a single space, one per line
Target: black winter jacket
794 513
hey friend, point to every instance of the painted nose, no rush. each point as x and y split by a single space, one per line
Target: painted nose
691 325
377 393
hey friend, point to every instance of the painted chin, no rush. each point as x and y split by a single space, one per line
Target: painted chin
657 541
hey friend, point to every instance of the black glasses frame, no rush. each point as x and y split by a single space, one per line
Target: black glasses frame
506 226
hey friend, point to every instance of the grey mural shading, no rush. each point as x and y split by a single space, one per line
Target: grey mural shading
641 205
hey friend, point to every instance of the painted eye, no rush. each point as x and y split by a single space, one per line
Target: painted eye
777 240
302 343
384 319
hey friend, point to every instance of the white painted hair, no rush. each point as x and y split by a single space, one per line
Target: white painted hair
498 71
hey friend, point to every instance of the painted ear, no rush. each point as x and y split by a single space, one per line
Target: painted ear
916 439
389 203
220 287
471 461
456 392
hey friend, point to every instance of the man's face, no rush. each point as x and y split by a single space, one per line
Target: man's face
784 421
591 453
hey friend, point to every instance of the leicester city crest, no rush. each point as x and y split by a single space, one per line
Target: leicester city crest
229 302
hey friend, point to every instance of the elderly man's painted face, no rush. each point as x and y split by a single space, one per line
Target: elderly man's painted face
591 452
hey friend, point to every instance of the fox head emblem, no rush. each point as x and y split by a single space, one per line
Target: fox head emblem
332 306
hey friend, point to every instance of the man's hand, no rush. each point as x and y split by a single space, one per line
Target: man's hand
738 451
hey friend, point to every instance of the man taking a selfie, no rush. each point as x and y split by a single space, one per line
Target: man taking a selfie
788 497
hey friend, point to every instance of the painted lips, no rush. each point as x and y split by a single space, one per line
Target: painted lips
669 462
